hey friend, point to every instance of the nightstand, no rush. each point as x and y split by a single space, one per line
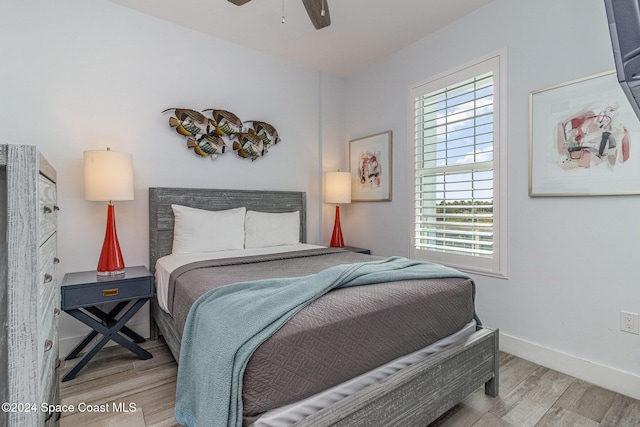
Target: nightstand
81 294
357 250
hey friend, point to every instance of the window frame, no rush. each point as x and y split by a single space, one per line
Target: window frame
497 264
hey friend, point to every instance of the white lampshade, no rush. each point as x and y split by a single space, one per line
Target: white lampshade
337 187
108 175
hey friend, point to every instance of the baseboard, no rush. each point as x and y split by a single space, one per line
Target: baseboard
603 376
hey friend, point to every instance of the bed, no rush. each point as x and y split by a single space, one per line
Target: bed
414 395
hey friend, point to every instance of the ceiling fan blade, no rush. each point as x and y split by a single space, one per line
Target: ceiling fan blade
314 10
239 2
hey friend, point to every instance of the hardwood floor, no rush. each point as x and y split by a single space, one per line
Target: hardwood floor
530 395
117 376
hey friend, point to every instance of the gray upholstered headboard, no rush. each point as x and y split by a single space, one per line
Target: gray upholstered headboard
161 215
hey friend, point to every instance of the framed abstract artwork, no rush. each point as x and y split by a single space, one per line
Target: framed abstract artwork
582 139
370 166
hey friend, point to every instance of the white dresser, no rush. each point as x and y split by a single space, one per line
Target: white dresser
29 292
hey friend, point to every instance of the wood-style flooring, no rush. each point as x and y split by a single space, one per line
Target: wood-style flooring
530 395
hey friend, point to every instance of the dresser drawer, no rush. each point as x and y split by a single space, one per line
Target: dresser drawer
75 296
49 369
48 208
52 418
47 271
48 346
48 320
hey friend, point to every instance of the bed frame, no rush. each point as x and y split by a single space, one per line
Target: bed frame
416 395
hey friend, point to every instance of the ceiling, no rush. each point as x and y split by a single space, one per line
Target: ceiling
361 32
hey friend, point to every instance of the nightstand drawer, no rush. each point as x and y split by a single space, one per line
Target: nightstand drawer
357 250
84 295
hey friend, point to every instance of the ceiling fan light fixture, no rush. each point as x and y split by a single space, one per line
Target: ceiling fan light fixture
319 15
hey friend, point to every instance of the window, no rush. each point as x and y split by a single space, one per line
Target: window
459 164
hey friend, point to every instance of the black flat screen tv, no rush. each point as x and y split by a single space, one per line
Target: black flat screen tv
624 28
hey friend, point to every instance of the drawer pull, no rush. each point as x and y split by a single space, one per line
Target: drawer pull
56 311
48 278
47 210
58 363
56 260
110 292
48 344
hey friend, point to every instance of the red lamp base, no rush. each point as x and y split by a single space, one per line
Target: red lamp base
111 262
336 238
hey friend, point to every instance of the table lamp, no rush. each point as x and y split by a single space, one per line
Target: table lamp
337 190
108 176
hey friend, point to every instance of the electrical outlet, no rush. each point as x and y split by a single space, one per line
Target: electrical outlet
629 322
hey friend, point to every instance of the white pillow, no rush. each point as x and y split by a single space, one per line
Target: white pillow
198 230
263 229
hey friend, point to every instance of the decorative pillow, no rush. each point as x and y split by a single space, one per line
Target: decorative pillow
263 229
198 230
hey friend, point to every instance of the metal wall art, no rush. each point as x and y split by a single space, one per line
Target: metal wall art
209 136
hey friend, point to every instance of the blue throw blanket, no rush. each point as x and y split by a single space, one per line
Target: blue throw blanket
227 324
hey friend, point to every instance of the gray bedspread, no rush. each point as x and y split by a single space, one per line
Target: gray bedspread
343 334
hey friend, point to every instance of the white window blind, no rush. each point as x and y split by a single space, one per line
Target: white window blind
454 189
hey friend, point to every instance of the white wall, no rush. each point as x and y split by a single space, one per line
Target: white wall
334 151
573 262
79 75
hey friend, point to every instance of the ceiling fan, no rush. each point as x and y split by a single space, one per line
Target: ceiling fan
318 11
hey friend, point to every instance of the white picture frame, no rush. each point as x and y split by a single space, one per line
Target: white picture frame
370 167
581 135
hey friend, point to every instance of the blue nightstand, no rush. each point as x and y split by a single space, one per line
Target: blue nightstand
357 250
83 292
